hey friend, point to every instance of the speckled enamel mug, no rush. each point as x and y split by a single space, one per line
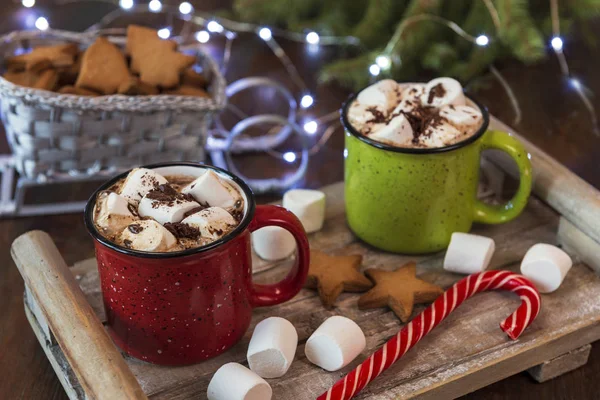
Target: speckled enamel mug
411 200
183 307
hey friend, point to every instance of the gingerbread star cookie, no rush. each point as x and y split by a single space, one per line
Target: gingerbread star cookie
62 55
332 275
400 290
103 68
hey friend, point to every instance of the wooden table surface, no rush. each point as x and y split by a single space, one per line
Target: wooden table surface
554 118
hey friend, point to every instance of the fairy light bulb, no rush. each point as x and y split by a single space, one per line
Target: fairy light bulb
28 3
265 33
42 24
374 69
214 26
289 157
383 62
164 33
557 43
307 101
155 6
312 38
311 127
126 4
185 8
202 36
482 40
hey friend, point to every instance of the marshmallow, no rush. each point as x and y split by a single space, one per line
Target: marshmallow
398 131
451 92
468 254
361 116
113 212
442 135
411 98
463 118
209 189
164 212
147 235
384 95
309 207
139 182
546 266
335 343
235 382
213 222
273 243
272 347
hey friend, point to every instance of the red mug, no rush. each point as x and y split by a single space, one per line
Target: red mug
182 307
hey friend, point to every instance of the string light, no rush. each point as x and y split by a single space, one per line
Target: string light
313 38
384 62
214 26
164 33
186 8
290 157
126 4
42 24
556 43
374 69
311 127
306 101
575 83
345 153
28 3
265 33
155 5
482 40
202 36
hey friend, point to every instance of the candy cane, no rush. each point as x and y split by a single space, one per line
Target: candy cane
421 325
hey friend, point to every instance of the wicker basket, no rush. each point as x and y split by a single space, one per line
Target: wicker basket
51 133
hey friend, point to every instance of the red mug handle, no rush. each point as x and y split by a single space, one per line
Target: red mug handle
269 295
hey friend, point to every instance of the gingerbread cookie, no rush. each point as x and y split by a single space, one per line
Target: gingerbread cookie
103 68
400 290
332 275
78 91
62 55
141 41
134 86
46 80
185 90
193 78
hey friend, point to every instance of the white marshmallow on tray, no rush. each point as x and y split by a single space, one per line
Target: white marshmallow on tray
308 206
164 212
272 347
397 131
213 222
114 212
468 253
209 189
139 182
147 235
335 343
273 243
546 266
233 381
445 91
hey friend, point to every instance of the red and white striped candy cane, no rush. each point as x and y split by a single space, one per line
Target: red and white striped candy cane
421 325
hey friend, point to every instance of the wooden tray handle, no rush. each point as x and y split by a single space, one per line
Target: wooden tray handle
99 366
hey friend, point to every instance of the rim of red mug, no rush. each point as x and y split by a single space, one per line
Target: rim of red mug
248 215
412 150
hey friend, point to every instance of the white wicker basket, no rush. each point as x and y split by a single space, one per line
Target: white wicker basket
51 133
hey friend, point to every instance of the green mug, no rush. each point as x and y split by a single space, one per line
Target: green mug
411 200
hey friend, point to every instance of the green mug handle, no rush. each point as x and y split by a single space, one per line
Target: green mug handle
490 214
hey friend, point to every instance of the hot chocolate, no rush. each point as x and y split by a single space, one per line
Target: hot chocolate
149 212
420 115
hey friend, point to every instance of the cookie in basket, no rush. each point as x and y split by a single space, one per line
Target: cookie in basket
62 55
103 68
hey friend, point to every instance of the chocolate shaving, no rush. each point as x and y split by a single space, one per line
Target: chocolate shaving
132 209
422 118
182 231
127 243
378 116
193 211
135 228
436 91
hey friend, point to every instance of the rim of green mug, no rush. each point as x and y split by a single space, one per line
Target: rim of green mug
411 150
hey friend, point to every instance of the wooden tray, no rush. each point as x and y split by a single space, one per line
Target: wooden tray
467 352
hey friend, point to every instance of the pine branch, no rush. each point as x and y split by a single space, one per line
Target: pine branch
518 31
353 72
